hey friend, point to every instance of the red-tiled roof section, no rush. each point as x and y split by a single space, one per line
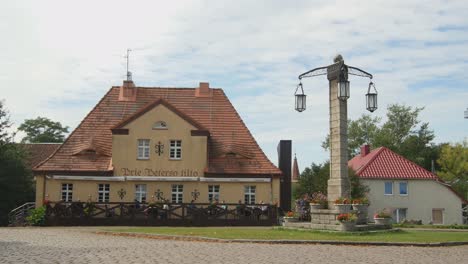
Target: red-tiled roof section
215 113
38 152
384 163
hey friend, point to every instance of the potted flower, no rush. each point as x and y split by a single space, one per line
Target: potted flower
290 217
347 220
317 201
382 218
343 204
361 205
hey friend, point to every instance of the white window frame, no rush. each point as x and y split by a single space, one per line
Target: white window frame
177 193
140 193
249 194
399 188
67 192
143 149
397 212
175 150
385 189
213 192
103 192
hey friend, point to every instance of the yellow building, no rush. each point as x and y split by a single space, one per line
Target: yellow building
141 143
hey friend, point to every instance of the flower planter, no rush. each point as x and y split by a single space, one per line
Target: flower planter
343 208
290 219
314 206
382 221
361 213
348 226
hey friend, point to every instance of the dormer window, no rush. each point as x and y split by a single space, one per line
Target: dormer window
160 125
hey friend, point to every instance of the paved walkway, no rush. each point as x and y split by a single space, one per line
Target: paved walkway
78 245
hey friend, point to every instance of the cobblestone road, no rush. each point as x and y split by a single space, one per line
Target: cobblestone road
78 245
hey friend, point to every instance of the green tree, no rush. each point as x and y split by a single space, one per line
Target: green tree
315 179
16 185
453 163
403 133
42 129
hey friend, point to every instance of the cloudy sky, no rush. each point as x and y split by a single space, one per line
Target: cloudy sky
58 58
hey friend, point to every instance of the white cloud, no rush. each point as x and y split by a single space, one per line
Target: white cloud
60 58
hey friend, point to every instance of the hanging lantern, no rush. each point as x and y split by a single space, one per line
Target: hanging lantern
371 98
343 90
300 98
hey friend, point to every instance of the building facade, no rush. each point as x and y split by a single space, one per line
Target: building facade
147 144
406 190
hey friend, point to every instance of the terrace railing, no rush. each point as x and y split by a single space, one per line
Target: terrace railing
159 214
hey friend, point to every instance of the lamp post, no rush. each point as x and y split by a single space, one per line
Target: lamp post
337 74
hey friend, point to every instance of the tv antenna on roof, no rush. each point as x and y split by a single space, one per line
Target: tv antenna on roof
129 74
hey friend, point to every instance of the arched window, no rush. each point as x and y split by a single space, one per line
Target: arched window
160 125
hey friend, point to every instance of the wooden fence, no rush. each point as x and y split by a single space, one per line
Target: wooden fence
158 214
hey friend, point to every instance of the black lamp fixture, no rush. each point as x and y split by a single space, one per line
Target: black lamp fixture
300 98
337 71
371 98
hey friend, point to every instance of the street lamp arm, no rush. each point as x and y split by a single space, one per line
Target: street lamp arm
314 72
358 72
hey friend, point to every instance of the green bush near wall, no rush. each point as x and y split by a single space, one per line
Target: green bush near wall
37 216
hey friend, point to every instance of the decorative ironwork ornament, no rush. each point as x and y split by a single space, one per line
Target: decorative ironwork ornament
195 194
121 193
159 148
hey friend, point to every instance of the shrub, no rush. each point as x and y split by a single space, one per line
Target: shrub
382 214
342 200
347 217
37 216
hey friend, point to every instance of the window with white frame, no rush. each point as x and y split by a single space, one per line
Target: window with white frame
140 193
399 214
143 148
213 192
177 193
103 192
249 194
403 188
175 151
388 188
67 192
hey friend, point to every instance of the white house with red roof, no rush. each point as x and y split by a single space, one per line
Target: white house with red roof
409 191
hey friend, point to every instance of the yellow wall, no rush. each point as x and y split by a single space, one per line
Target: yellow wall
229 192
124 147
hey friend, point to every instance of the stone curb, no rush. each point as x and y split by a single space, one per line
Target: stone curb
287 241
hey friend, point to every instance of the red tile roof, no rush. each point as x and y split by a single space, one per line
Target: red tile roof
38 152
384 163
232 148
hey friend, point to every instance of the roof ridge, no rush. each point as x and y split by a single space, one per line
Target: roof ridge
73 132
378 152
151 105
415 164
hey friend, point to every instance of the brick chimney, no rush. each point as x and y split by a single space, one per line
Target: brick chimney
365 149
128 91
204 90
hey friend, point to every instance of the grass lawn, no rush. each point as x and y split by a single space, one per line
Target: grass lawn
281 233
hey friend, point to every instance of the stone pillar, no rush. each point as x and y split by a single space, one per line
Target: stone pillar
338 184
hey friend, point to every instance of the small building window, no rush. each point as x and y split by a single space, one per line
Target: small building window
403 188
67 192
249 194
399 215
388 188
160 125
213 193
140 193
175 151
177 193
103 192
143 148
